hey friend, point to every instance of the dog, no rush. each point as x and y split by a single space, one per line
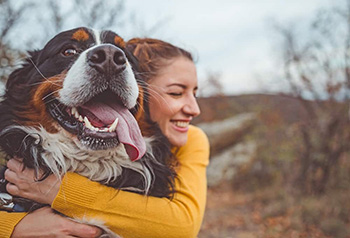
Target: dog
76 106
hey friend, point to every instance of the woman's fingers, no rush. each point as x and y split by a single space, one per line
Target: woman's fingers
23 183
15 165
12 189
84 231
16 184
11 176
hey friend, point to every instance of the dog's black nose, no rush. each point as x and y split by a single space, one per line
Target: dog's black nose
107 59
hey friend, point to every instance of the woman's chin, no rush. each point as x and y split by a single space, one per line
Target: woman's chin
177 139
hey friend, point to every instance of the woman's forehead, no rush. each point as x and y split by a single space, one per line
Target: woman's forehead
179 71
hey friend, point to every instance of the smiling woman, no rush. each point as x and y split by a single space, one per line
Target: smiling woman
176 87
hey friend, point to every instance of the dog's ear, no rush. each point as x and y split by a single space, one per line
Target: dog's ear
132 59
20 75
138 110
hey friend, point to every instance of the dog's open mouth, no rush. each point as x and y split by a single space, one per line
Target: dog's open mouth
101 123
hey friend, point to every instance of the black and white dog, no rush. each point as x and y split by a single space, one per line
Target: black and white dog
75 105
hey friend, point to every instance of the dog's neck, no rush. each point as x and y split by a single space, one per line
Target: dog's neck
61 153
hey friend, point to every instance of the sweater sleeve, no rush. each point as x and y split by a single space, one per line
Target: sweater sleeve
134 215
8 221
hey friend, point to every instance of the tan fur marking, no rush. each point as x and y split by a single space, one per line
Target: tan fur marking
35 110
119 41
80 35
147 130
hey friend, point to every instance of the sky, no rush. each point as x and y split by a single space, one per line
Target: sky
230 38
234 39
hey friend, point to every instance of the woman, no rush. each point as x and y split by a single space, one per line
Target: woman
171 75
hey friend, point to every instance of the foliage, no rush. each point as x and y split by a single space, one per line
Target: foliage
317 69
26 25
16 17
10 18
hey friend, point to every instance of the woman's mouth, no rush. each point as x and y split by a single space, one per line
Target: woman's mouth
181 126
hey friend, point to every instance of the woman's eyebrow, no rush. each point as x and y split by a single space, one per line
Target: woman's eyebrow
183 86
178 84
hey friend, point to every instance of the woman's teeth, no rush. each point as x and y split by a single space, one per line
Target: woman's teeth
182 124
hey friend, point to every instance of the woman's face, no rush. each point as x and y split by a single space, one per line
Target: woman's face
172 101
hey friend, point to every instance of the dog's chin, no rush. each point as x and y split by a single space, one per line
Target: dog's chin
98 137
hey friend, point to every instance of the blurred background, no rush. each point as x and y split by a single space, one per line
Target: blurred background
274 83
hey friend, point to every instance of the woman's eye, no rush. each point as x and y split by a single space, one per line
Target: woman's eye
175 94
70 52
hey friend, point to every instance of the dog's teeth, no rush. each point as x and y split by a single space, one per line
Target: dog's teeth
75 112
114 125
80 118
88 124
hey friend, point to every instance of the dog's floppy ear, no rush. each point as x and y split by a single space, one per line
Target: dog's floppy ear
132 59
20 75
136 111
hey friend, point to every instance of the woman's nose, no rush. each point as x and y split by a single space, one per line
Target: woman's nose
191 107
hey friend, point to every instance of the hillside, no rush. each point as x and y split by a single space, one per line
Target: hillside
221 107
266 194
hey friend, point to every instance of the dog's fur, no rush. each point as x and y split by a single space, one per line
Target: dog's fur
36 122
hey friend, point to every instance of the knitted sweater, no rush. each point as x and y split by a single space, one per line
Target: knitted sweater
134 215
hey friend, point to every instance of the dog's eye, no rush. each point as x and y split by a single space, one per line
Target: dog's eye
70 52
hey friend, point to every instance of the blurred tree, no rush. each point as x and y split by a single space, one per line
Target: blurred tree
318 73
98 14
212 85
29 24
10 18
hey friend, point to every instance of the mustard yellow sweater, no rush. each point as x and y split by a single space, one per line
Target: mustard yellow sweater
133 215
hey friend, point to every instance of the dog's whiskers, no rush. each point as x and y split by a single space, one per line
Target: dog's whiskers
38 70
156 95
48 95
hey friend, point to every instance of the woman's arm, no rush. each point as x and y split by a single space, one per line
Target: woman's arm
8 222
133 215
43 223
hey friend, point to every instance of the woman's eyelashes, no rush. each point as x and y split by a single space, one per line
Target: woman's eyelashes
175 94
179 94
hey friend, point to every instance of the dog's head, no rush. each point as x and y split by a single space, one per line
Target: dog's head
81 83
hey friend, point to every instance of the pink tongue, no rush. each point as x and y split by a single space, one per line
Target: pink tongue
127 129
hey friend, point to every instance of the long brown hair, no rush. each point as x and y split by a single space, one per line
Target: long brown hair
153 55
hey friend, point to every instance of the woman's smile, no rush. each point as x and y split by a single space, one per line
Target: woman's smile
180 125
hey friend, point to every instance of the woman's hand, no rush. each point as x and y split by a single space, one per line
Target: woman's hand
43 223
22 183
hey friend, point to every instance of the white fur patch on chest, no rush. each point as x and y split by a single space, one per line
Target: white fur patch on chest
61 153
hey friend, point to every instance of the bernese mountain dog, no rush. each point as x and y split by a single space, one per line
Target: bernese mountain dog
76 106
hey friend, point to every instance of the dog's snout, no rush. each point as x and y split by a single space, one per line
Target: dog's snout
107 59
